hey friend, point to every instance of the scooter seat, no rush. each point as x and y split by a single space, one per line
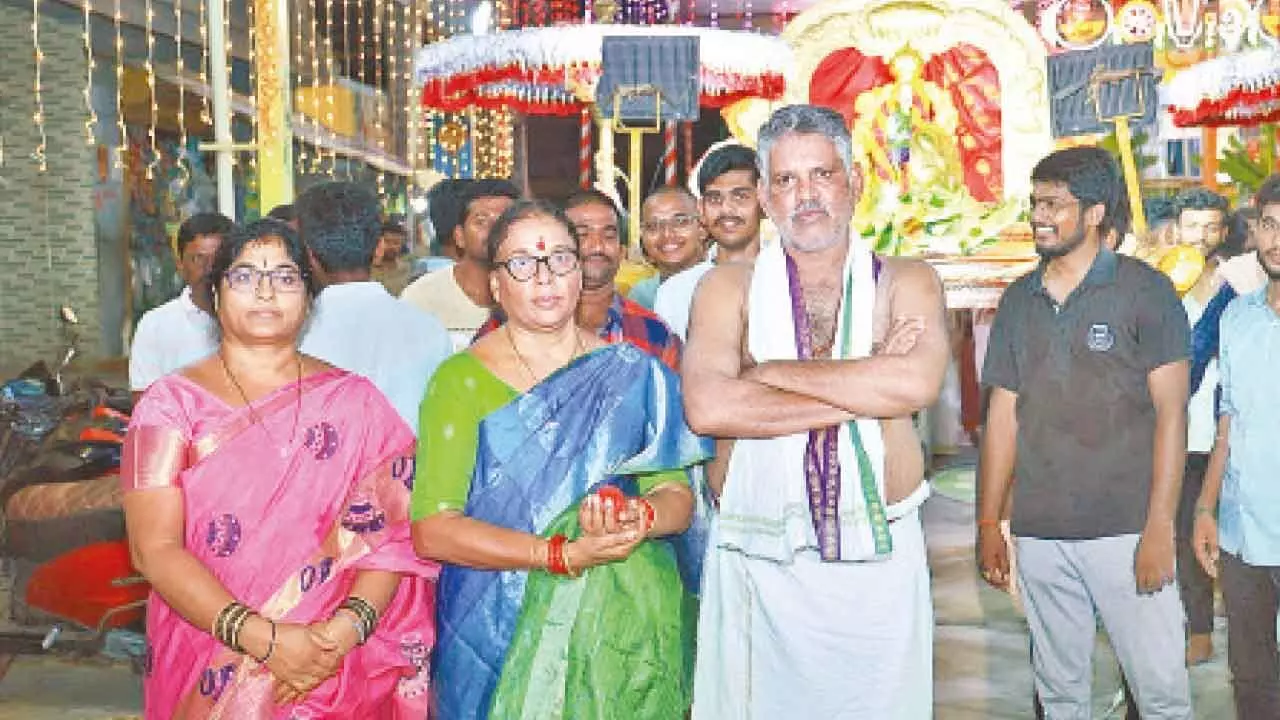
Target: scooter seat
49 501
66 462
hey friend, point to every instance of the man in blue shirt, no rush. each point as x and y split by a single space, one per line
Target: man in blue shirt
1240 484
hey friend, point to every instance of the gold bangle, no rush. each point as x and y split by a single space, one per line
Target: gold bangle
564 555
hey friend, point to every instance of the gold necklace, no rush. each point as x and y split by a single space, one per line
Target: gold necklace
297 410
577 350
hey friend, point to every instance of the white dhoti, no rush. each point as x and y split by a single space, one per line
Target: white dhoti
815 604
817 640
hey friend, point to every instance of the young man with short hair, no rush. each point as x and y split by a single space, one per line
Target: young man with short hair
459 296
1237 517
182 330
1087 373
731 213
355 323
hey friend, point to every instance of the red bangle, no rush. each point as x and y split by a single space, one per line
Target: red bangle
555 555
650 515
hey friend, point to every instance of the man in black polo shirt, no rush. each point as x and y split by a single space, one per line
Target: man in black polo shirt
1087 372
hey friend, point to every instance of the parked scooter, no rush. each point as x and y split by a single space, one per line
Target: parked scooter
62 536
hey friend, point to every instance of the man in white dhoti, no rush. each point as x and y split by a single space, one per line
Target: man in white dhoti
815 599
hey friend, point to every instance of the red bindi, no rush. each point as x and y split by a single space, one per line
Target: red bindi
542 244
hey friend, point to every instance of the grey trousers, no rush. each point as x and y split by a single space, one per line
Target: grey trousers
1067 585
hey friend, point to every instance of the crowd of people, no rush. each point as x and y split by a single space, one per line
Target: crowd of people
511 487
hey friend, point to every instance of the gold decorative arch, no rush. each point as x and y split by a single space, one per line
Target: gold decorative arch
884 27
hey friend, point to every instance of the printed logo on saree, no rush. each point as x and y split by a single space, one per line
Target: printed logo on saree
418 654
322 439
315 575
402 470
223 535
214 680
363 516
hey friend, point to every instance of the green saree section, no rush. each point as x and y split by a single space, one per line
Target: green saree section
616 643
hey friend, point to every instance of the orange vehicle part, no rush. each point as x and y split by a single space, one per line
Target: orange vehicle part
99 434
102 412
93 585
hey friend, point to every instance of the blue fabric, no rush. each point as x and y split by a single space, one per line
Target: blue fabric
1249 510
1205 335
604 418
645 292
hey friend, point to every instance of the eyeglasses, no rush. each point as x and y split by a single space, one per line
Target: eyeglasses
1052 205
246 279
524 268
678 223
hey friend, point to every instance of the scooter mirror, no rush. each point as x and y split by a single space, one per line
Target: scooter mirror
68 315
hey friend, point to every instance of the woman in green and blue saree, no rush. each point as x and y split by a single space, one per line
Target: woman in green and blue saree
553 484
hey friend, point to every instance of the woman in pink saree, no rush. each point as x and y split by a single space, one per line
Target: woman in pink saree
266 499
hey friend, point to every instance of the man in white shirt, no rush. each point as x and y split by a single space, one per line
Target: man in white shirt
731 213
355 324
182 330
459 296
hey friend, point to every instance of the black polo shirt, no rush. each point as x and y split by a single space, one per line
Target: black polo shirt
1086 423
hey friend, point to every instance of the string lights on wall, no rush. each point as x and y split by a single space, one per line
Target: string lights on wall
148 67
39 156
182 86
408 31
91 124
380 40
298 21
331 82
206 117
344 19
228 48
252 30
120 128
318 154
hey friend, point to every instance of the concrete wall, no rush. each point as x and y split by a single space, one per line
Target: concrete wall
48 255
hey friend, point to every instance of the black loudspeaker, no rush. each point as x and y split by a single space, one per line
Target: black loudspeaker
1089 87
649 77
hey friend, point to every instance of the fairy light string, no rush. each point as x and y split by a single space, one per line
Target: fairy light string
90 125
123 132
206 117
331 83
38 155
303 153
149 68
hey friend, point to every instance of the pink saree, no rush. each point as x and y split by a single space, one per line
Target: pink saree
285 528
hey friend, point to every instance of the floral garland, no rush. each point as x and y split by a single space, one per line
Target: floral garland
1240 89
943 219
554 70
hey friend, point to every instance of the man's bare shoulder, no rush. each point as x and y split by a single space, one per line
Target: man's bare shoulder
909 269
724 285
911 275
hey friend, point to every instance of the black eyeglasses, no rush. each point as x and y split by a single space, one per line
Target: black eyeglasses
524 268
246 279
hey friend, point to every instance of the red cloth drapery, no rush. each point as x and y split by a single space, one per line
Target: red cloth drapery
963 71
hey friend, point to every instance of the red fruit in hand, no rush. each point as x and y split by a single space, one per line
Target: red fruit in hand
614 494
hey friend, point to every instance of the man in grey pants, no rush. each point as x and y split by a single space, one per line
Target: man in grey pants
1087 373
